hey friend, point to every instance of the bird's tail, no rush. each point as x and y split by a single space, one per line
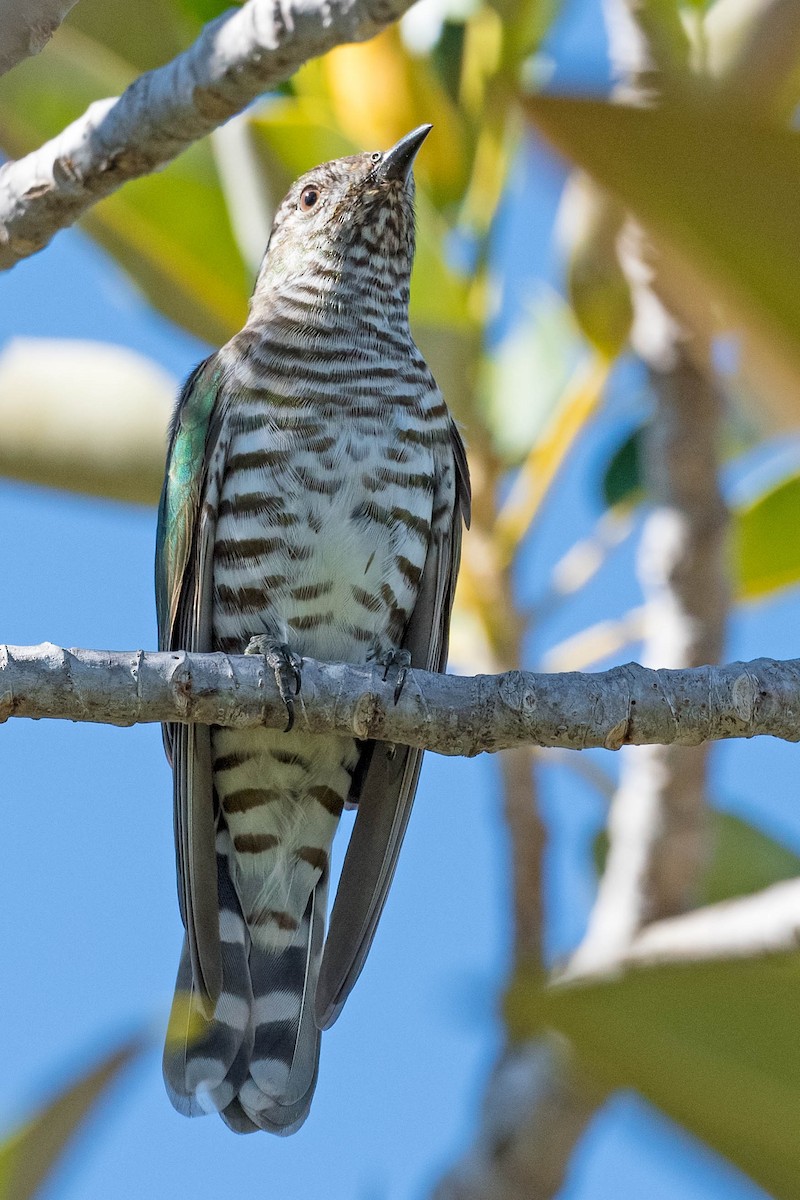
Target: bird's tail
255 1059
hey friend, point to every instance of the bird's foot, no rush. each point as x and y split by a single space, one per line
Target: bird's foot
401 659
287 667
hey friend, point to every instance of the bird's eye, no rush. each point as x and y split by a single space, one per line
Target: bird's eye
308 198
376 157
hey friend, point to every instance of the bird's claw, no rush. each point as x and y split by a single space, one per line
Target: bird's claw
287 667
400 659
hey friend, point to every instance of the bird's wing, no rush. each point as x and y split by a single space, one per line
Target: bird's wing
388 775
184 593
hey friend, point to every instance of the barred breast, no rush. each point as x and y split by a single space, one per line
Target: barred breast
323 529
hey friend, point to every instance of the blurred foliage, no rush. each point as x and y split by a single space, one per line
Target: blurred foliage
743 859
622 481
52 390
578 402
714 1045
766 548
170 231
679 168
591 222
528 373
28 1156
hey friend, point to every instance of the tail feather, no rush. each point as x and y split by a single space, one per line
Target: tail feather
283 1070
255 1060
237 1119
206 1057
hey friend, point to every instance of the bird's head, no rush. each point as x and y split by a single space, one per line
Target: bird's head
347 222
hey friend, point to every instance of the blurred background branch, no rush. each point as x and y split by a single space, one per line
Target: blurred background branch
765 923
657 826
52 392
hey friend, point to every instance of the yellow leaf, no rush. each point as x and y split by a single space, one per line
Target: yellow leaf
29 1155
542 464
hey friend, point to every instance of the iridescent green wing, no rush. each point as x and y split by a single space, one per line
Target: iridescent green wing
184 593
180 496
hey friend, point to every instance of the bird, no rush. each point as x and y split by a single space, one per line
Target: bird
315 492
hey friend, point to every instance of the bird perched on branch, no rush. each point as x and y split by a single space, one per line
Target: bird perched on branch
313 502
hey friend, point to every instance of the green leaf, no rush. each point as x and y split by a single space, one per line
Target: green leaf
202 11
453 355
29 1155
766 548
55 87
744 860
294 134
715 1046
525 23
447 54
622 479
439 296
171 230
721 191
598 290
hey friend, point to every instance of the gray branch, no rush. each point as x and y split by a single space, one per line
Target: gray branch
239 56
26 27
628 705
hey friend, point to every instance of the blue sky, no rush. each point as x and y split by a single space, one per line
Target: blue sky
91 932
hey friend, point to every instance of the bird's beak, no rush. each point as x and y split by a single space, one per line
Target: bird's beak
398 162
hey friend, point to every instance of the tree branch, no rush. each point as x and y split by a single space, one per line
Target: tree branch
657 821
767 922
628 705
26 27
537 1106
59 429
243 53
